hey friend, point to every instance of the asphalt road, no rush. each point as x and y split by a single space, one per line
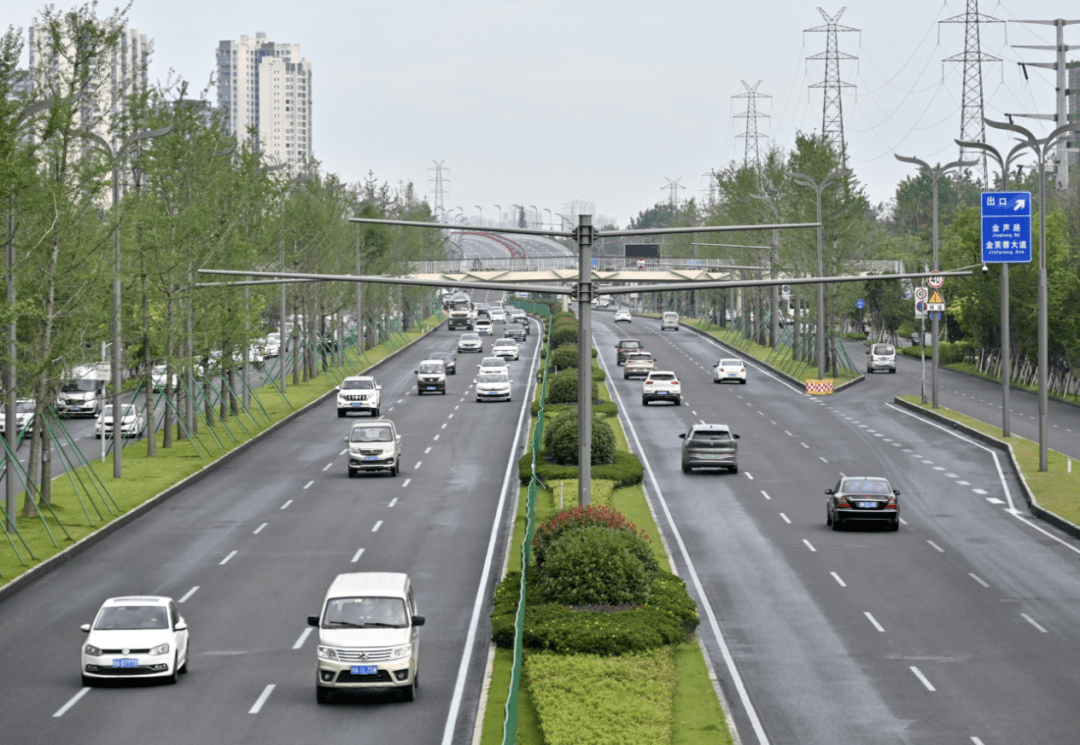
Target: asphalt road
249 552
960 628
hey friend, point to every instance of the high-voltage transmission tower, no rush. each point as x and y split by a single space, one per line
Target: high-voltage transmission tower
1061 66
972 128
832 121
438 201
673 195
751 116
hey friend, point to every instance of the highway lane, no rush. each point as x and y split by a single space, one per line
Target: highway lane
980 399
962 625
251 549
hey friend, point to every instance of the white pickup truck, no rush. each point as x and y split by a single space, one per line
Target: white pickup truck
374 445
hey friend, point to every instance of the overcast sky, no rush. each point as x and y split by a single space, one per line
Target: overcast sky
539 102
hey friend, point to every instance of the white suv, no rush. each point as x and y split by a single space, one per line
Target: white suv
358 393
368 635
669 320
661 385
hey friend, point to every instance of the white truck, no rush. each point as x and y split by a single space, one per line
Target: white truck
82 394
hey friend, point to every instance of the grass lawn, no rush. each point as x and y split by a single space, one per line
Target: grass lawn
969 368
1057 490
83 503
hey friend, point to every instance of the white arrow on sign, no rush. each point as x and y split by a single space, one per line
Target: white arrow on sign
1019 205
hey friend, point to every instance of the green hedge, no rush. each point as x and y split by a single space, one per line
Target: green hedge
563 387
561 440
599 566
952 353
625 471
607 408
669 617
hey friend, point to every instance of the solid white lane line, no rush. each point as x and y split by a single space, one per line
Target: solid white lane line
785 518
809 545
303 637
939 548
874 621
327 466
259 529
764 494
921 677
405 483
837 578
392 502
1031 620
226 559
71 702
262 699
188 594
286 504
306 486
978 579
356 556
377 526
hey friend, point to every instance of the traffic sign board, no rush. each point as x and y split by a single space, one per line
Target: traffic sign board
935 280
860 303
920 307
1006 227
921 294
936 302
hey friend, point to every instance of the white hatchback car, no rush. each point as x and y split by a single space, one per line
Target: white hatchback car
661 385
670 320
729 370
623 315
483 326
493 386
132 422
136 636
506 348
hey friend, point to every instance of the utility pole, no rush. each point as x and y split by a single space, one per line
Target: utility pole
972 128
1061 115
673 196
438 201
751 116
832 121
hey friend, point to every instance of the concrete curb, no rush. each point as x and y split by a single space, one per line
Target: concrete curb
775 371
1038 510
54 562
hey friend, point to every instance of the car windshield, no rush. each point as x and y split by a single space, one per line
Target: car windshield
431 369
362 612
505 343
117 617
483 321
470 337
669 316
371 434
662 376
24 407
730 363
492 378
127 409
354 385
493 363
719 435
883 349
630 345
80 386
273 338
639 357
866 486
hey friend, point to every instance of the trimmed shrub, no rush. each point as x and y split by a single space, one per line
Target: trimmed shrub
607 408
562 388
561 443
565 357
595 565
580 517
625 471
669 617
563 333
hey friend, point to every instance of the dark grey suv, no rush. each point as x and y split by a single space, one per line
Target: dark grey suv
710 446
857 499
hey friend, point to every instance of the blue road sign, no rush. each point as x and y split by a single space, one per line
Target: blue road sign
860 303
594 261
1006 227
920 306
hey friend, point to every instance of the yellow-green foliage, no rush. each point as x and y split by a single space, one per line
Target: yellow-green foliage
590 700
563 494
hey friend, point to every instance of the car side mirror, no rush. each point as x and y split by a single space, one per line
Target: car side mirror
85 628
345 438
378 387
735 437
682 435
416 372
828 491
313 621
337 388
181 626
896 492
418 620
868 351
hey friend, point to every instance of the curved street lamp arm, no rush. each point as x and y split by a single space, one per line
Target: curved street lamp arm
101 141
226 151
1012 128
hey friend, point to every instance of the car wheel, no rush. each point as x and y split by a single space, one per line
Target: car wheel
734 469
187 659
625 376
375 412
644 401
171 680
444 391
408 693
828 517
893 371
341 413
836 523
393 471
352 473
678 400
685 468
742 382
895 524
88 682
323 694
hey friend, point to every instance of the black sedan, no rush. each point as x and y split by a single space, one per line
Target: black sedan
516 331
448 359
859 499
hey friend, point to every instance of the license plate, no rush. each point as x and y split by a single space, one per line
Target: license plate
371 457
76 408
364 669
431 388
493 393
356 405
868 505
707 455
125 663
663 393
733 375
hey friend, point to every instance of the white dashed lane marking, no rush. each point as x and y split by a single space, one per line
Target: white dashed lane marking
838 580
71 702
226 559
262 699
356 556
190 592
303 637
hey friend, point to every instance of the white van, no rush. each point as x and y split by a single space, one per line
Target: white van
367 635
670 320
881 357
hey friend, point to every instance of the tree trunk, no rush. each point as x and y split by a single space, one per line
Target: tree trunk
151 429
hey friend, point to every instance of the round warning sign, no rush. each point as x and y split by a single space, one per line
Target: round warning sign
921 294
935 280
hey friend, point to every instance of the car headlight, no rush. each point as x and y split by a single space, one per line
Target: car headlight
398 652
160 649
327 653
91 650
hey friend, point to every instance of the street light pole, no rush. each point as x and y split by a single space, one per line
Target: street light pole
550 222
935 173
481 214
774 269
803 180
498 212
1039 149
117 351
584 237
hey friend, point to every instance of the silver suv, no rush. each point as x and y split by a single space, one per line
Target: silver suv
881 357
710 446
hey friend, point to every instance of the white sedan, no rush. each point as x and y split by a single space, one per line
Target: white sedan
506 348
132 422
492 386
622 315
730 370
138 636
470 343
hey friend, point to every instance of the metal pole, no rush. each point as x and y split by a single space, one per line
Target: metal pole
283 345
934 317
820 292
584 239
10 422
117 356
1043 320
359 307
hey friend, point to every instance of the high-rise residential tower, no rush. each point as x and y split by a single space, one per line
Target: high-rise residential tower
265 87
